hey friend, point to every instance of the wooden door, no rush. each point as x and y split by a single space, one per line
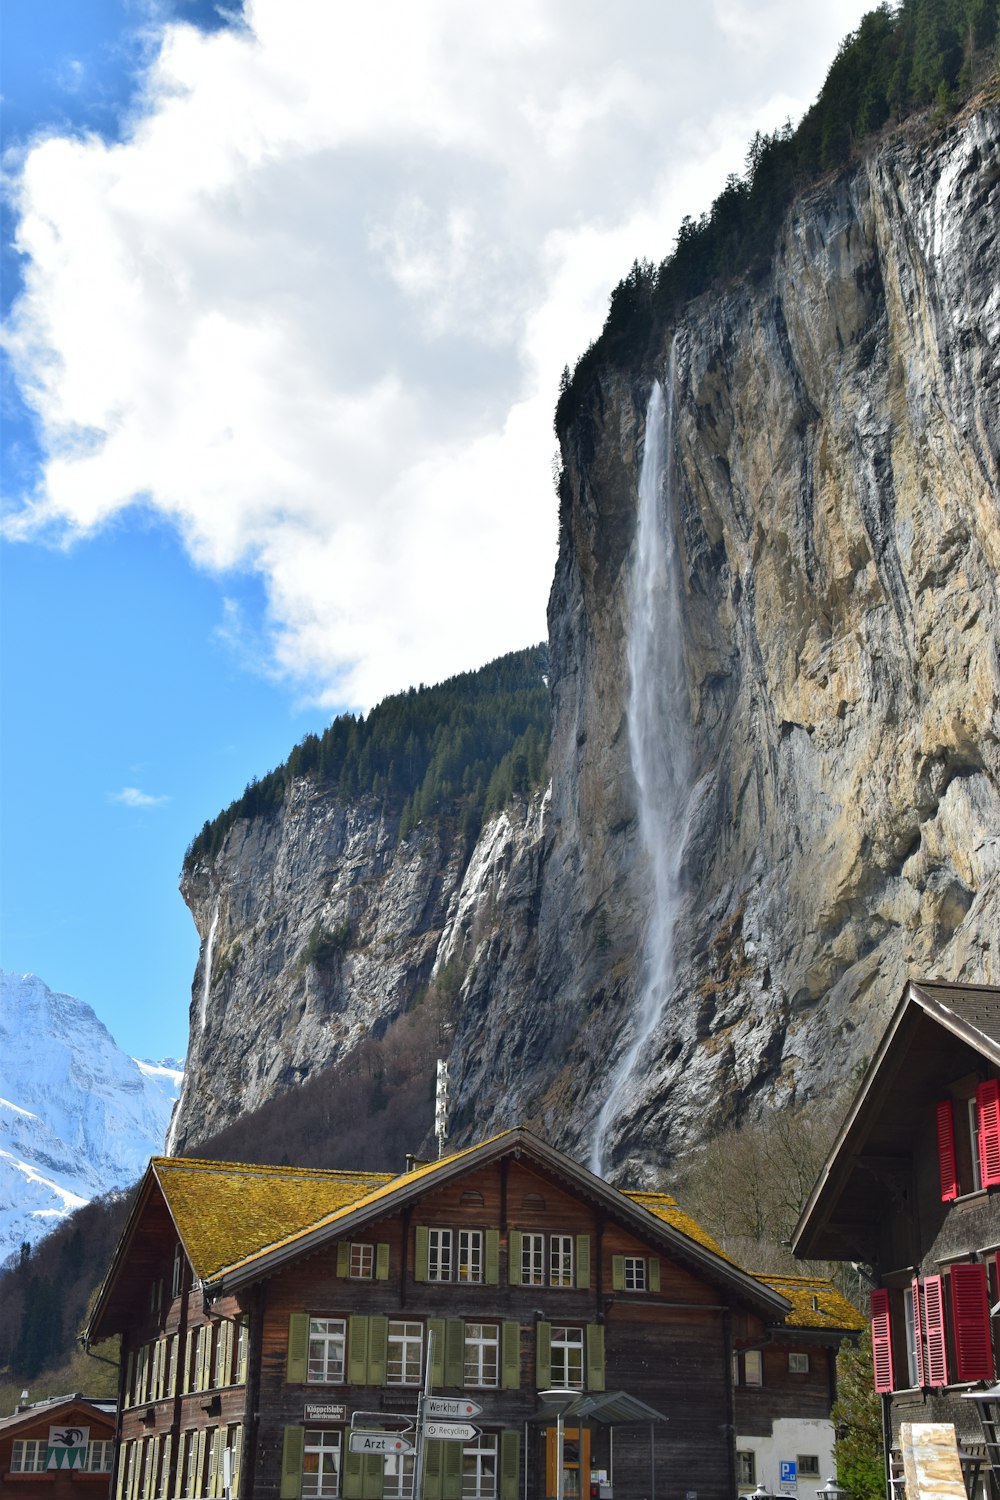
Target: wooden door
576 1462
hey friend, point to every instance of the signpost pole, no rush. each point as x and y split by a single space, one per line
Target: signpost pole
418 1462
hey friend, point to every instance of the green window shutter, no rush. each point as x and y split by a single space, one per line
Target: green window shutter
595 1357
618 1272
372 1471
433 1468
583 1261
654 1273
357 1350
351 1474
492 1257
514 1257
510 1464
451 1488
382 1262
343 1259
378 1343
543 1355
510 1357
298 1348
454 1352
435 1326
420 1253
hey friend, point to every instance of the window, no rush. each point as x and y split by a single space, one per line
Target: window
439 1255
405 1346
240 1368
397 1477
753 1367
479 1468
566 1358
798 1364
362 1261
746 1467
29 1456
808 1465
99 1456
968 1140
560 1260
327 1341
175 1280
470 1255
635 1273
482 1354
321 1463
533 1260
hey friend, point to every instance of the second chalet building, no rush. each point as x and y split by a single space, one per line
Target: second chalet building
261 1308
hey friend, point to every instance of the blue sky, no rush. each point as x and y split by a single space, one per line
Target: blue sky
287 294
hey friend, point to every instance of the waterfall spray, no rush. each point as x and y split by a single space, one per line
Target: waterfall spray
658 717
206 978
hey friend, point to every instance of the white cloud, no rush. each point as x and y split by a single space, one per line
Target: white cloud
315 308
131 796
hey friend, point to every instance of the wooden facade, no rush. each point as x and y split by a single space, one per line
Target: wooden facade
60 1449
527 1272
912 1190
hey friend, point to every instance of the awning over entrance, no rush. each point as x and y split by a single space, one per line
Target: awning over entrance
613 1408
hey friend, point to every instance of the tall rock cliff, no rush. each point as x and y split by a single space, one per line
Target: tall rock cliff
834 503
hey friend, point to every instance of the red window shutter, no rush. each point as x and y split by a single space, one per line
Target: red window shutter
937 1347
988 1119
970 1321
918 1334
881 1340
946 1151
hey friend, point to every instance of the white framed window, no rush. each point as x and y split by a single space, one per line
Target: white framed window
566 1358
635 1273
30 1456
482 1354
321 1463
479 1468
362 1262
560 1260
439 1255
910 1320
405 1347
470 1255
533 1260
175 1280
327 1344
99 1456
973 1117
746 1468
242 1339
808 1465
191 1476
397 1477
753 1367
798 1364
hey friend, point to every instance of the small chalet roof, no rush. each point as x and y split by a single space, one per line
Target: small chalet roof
934 1026
58 1410
816 1303
239 1223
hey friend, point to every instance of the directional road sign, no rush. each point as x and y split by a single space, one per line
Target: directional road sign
379 1442
450 1406
455 1432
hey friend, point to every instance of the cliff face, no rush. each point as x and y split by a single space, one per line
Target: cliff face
835 501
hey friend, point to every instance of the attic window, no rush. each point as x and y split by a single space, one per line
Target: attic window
816 1307
534 1201
472 1195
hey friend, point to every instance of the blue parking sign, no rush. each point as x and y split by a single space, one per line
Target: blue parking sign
789 1471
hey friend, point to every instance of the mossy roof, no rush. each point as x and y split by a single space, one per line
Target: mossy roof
662 1206
816 1303
227 1211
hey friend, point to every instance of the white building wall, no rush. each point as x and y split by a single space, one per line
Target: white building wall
790 1437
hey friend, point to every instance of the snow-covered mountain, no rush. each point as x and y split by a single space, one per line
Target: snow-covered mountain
77 1116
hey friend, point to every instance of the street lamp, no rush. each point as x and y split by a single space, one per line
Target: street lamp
560 1400
832 1490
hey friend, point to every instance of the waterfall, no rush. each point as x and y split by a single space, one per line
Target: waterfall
206 978
658 717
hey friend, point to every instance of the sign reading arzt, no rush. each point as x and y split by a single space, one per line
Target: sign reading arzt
454 1432
379 1442
449 1406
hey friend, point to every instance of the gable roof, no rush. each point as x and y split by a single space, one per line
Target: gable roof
291 1213
933 1020
816 1304
57 1410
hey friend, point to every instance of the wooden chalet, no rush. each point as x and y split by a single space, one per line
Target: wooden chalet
62 1449
911 1189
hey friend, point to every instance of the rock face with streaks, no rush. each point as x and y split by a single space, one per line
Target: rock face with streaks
836 505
